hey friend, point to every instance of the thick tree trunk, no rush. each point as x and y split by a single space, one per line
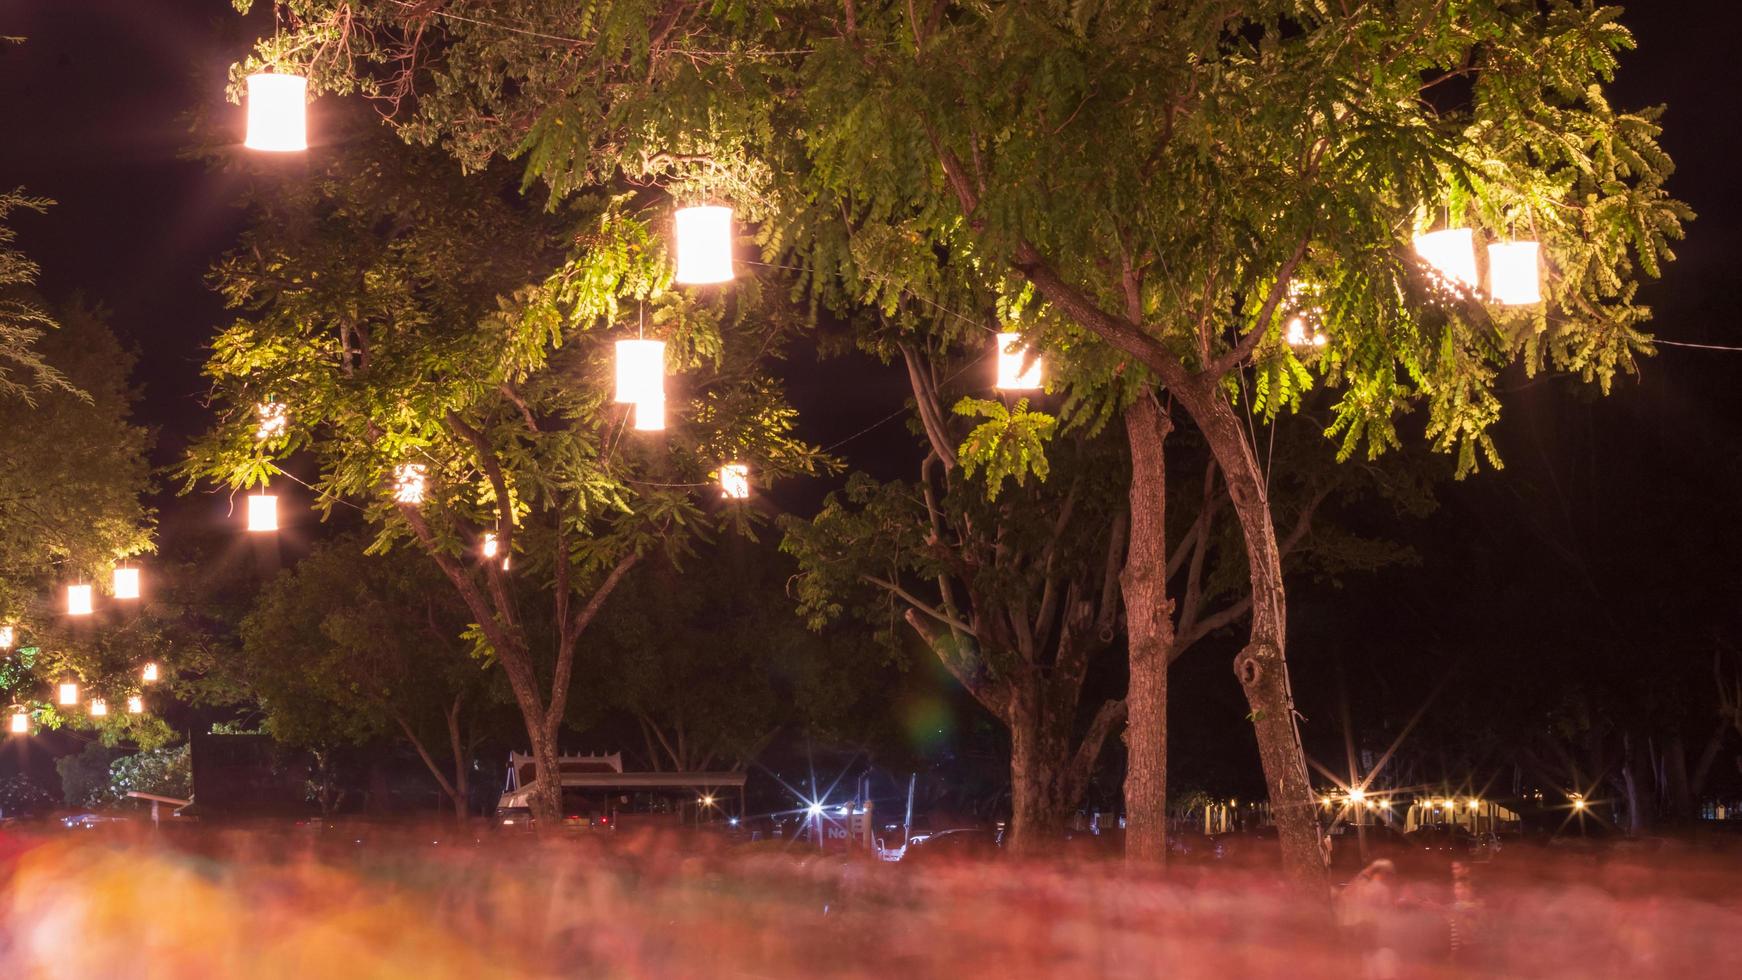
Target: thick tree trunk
1261 667
1149 628
1038 758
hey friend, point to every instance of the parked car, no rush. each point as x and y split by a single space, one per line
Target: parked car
947 845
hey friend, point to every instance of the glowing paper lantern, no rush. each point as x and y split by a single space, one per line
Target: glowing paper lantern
640 371
277 113
69 693
78 600
735 481
273 420
650 415
1295 333
149 674
491 545
20 723
704 245
408 483
1011 356
263 512
1513 279
7 637
99 707
135 705
126 583
1452 253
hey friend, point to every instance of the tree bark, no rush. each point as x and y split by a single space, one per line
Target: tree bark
1149 628
1038 757
1261 666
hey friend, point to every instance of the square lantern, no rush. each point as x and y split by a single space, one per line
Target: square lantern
1011 357
263 512
735 481
135 705
640 371
99 707
408 483
704 245
1513 276
126 583
1452 253
650 415
20 723
1295 333
277 113
8 636
491 545
149 674
69 693
78 600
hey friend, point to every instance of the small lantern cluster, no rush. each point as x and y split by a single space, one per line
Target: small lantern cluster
1514 267
1019 368
408 483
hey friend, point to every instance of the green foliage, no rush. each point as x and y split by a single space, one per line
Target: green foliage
19 794
84 775
25 373
165 771
1009 445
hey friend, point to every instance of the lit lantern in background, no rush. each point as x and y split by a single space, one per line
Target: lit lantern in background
263 512
20 723
408 483
277 113
735 481
1452 253
1513 279
273 420
135 705
640 371
149 674
650 415
704 245
126 583
7 637
1011 356
99 707
491 546
69 693
1295 334
78 600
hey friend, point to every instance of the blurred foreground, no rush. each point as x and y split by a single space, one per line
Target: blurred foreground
411 902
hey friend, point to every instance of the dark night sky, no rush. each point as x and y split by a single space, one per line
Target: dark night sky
1604 508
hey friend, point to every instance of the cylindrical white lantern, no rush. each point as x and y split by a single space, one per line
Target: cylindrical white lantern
7 637
126 583
491 545
704 245
1513 276
69 693
20 723
1295 333
650 415
1011 356
263 512
135 705
735 481
1452 253
277 113
78 600
640 371
99 707
149 674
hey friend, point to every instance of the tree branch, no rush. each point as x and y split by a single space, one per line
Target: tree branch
1278 290
565 660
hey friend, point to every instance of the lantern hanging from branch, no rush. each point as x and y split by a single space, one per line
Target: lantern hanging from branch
735 481
20 722
69 693
1513 276
8 636
408 483
277 112
135 705
704 245
640 371
126 583
263 512
149 673
99 707
491 545
273 420
1012 356
1295 333
1451 252
78 600
650 415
